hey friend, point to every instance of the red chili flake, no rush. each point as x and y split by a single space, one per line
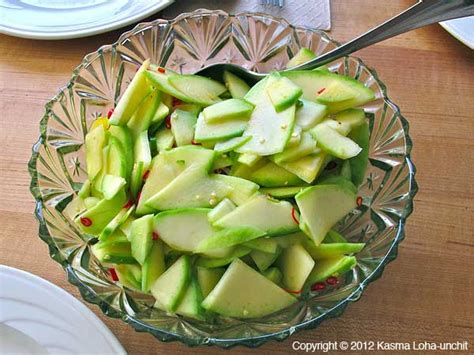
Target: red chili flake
193 142
168 122
293 292
332 280
318 286
155 236
161 70
145 176
331 165
113 274
176 102
359 201
87 222
128 204
321 91
293 215
110 112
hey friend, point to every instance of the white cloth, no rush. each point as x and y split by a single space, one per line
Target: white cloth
306 13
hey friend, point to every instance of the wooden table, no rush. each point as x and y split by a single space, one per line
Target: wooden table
426 295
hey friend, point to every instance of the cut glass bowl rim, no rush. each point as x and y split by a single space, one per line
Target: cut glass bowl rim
166 336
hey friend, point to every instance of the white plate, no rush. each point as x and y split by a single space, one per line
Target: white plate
51 316
61 19
462 29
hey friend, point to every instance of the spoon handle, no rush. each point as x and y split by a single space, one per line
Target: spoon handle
421 14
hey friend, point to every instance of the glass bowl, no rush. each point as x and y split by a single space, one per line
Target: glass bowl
190 41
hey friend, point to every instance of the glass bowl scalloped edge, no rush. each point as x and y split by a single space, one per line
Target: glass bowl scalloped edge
254 341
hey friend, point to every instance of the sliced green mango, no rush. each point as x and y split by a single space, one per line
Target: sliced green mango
231 144
85 190
285 241
336 92
136 92
94 220
238 88
183 229
124 136
304 55
161 80
114 251
117 161
313 83
346 171
322 206
361 136
306 168
96 140
190 305
231 298
161 113
209 262
241 189
264 260
111 185
354 117
272 175
222 161
270 130
266 244
164 140
323 269
309 114
295 264
274 275
141 238
193 188
208 278
331 250
202 90
154 266
334 143
229 237
249 159
282 192
142 118
171 286
334 237
338 180
91 201
255 212
228 109
116 222
218 131
224 207
306 147
283 93
129 275
295 137
182 127
75 207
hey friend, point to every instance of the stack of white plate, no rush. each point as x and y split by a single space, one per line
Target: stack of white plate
37 317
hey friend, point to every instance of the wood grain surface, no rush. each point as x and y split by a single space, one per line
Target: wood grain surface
427 294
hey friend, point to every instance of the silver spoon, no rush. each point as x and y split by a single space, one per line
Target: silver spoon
423 13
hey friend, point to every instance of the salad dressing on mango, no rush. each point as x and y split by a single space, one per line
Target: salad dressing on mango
221 198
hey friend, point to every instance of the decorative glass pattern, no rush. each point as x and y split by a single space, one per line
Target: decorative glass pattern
187 43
